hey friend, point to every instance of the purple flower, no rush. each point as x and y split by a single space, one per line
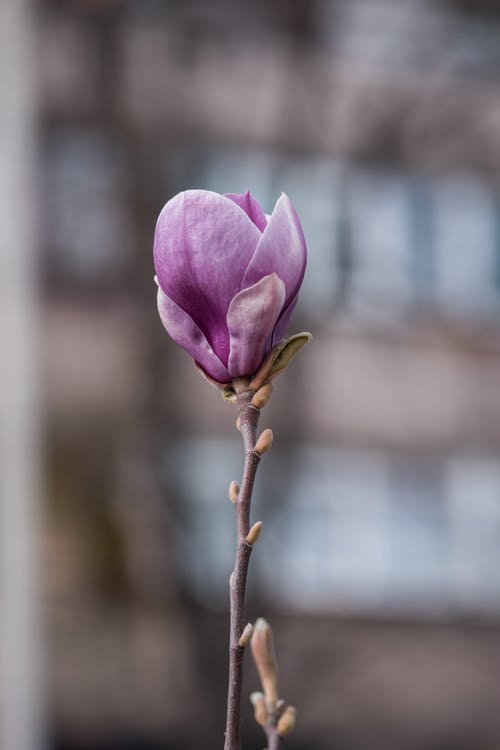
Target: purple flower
228 277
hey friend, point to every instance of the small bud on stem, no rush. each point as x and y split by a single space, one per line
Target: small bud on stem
234 489
254 533
228 395
287 721
246 635
262 396
259 707
264 442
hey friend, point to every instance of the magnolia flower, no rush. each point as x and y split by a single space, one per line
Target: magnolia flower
228 278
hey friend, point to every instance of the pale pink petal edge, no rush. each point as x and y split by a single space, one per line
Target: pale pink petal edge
184 331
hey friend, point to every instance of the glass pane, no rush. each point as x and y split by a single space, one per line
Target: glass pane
380 236
465 246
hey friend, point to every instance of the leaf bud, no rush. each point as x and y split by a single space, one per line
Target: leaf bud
259 707
254 533
287 721
262 396
264 442
246 635
234 489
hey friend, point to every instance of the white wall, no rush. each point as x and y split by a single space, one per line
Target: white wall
19 652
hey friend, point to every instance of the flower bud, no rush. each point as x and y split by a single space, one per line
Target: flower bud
264 442
228 278
265 660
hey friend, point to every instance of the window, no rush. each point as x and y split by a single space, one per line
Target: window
384 244
85 221
381 243
358 532
465 245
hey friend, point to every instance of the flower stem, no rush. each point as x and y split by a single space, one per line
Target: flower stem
248 419
274 740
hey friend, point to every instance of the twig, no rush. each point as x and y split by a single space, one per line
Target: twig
248 420
251 395
274 740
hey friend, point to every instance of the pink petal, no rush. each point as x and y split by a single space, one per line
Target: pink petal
251 207
282 248
251 318
187 334
203 244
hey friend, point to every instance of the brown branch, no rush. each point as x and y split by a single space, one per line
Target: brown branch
274 740
248 420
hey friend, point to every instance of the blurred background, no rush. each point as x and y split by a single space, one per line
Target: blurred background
379 565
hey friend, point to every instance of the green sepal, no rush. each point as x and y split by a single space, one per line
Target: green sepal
279 358
286 351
